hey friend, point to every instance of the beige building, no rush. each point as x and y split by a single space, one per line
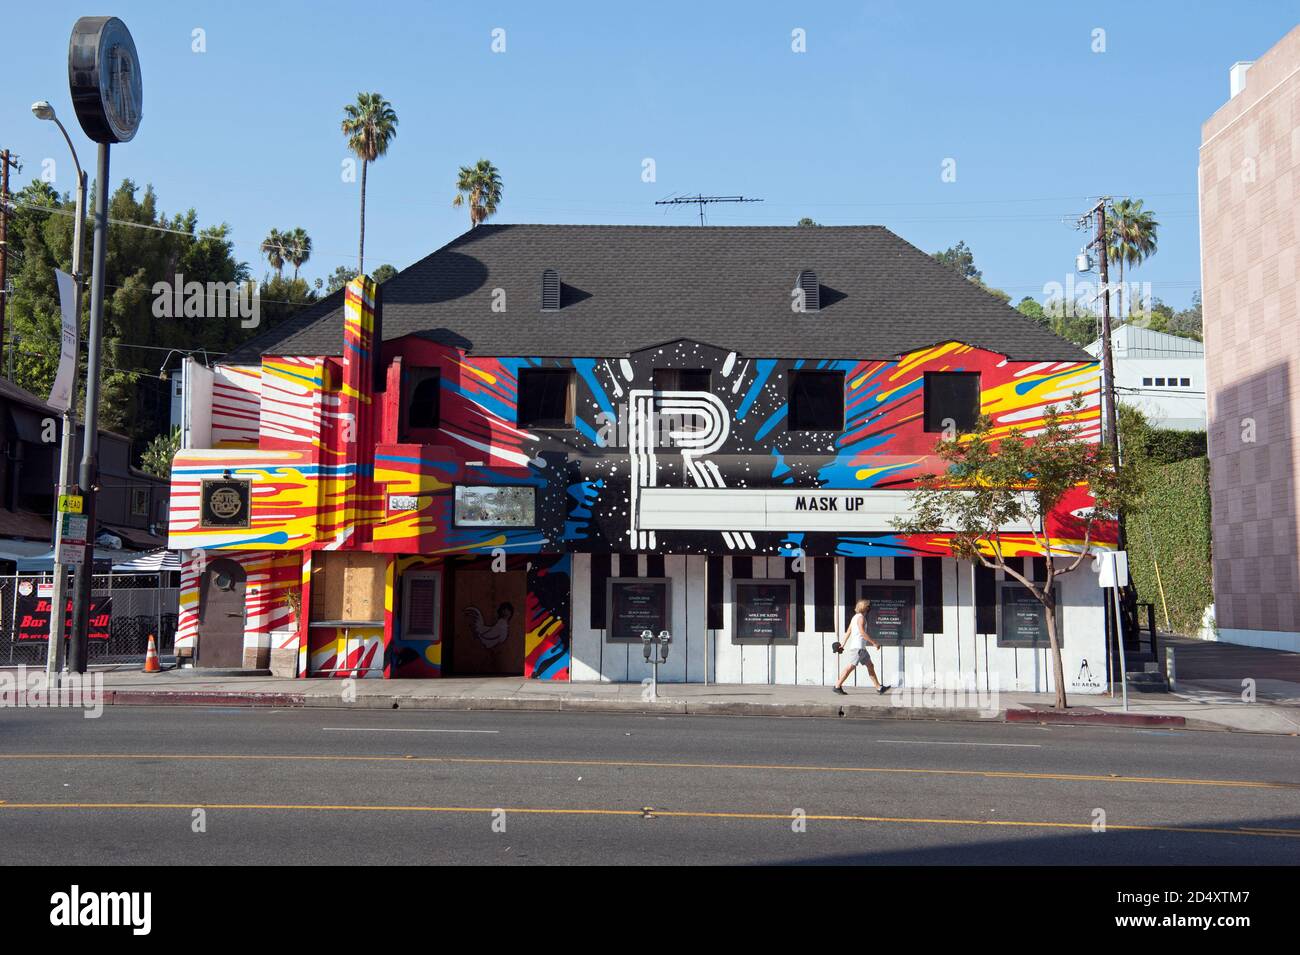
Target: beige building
1250 235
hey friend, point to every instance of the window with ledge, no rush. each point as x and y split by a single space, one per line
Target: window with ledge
546 398
952 399
816 401
421 402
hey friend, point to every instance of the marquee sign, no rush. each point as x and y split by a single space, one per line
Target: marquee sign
774 509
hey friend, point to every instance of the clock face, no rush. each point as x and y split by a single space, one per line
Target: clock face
104 75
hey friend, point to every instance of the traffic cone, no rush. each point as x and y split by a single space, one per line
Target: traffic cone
151 664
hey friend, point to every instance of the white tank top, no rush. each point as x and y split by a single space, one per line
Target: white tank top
857 633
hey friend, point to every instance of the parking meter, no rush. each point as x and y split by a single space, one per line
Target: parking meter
659 647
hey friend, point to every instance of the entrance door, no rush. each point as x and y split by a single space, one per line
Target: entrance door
488 622
221 614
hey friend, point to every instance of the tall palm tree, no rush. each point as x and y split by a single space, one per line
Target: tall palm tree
1132 238
275 248
480 184
298 251
370 125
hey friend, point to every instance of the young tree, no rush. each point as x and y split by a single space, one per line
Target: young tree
158 456
1019 483
370 125
480 184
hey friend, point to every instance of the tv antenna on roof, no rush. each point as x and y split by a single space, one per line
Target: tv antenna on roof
701 201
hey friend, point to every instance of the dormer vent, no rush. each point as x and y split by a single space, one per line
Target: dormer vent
550 290
812 290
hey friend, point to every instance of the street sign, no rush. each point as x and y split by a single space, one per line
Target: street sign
71 503
75 527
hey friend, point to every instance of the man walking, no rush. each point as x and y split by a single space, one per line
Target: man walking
855 644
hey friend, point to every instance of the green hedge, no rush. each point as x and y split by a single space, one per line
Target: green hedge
1172 526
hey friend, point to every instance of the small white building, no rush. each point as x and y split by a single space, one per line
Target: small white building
1161 375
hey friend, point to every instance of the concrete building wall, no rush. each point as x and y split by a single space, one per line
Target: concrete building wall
1250 222
959 654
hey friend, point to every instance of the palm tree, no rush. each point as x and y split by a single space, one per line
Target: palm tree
1132 238
370 125
275 248
298 251
481 185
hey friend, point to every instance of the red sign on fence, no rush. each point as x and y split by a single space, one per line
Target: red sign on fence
34 617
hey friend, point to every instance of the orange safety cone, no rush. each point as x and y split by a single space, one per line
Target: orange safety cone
151 664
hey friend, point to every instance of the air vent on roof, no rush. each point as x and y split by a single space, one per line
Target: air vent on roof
550 290
812 291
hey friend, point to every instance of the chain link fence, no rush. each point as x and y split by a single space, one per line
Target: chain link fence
141 604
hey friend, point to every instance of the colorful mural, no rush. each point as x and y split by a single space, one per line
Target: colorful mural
333 464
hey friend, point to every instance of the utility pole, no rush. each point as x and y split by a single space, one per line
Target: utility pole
6 160
1107 362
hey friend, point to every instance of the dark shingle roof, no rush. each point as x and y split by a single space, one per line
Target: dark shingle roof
629 287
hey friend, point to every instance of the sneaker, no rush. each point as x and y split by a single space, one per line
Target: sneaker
882 688
840 690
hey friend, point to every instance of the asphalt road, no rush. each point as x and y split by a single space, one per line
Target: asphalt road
348 787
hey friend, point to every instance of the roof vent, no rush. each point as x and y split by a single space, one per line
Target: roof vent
812 291
550 290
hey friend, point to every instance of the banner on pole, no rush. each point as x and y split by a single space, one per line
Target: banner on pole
61 391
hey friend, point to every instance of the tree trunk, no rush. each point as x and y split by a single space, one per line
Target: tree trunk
1058 665
1121 290
361 248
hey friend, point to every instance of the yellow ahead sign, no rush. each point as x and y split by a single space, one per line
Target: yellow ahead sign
70 503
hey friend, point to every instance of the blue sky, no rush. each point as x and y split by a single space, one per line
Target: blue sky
854 130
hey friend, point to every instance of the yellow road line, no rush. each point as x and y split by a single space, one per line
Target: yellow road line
669 813
650 764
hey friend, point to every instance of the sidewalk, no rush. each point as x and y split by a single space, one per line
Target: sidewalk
1195 710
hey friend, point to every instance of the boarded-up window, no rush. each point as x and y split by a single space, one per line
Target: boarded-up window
420 610
348 587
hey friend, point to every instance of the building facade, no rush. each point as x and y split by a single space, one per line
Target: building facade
1250 236
540 441
1161 375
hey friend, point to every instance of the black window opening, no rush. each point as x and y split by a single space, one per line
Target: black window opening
422 398
1160 382
545 398
683 379
1186 382
816 401
1147 382
952 400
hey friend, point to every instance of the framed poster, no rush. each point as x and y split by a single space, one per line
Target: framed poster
634 604
762 611
1022 620
894 619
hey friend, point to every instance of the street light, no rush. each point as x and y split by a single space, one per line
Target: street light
54 657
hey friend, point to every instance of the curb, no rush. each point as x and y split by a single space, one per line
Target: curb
1094 718
660 707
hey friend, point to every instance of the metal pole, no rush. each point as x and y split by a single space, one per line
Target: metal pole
89 475
1123 665
58 602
